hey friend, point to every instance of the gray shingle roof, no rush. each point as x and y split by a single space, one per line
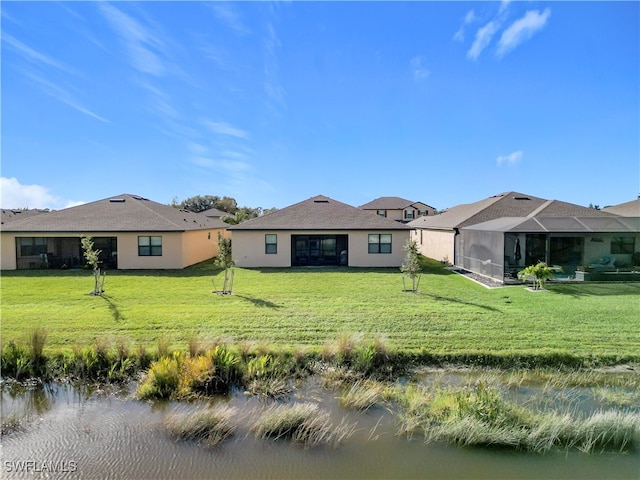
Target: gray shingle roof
628 209
9 215
320 213
510 204
122 213
387 203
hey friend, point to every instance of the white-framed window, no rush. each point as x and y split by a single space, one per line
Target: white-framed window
379 243
150 246
382 213
408 214
423 213
271 243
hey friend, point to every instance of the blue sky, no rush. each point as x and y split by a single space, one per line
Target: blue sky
273 103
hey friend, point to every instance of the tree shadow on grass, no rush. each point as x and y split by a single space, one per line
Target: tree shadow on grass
440 298
259 302
113 308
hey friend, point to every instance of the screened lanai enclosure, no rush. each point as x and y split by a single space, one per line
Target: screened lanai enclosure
578 248
62 252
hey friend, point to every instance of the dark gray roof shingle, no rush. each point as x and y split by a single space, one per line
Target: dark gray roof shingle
320 213
510 204
122 213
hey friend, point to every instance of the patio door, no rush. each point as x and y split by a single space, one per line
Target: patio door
318 250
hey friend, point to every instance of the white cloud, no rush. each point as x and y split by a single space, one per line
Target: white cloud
482 40
138 41
503 5
229 16
521 30
15 195
33 55
470 17
221 128
510 159
418 69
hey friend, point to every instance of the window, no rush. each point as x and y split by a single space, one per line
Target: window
379 243
382 213
149 246
270 243
423 213
32 246
623 245
408 214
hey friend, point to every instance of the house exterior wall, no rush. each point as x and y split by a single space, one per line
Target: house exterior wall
249 248
179 249
7 251
436 244
200 245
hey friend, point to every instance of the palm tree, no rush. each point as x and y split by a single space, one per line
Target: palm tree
540 272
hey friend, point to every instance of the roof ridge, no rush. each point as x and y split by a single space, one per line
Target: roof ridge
540 208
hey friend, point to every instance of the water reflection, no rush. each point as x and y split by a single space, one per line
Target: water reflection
110 435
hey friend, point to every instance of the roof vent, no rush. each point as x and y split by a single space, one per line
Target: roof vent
521 198
116 200
321 201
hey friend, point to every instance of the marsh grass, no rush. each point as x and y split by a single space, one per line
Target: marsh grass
302 423
480 415
617 398
208 425
362 395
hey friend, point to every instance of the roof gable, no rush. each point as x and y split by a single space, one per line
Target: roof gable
122 213
387 203
627 209
320 213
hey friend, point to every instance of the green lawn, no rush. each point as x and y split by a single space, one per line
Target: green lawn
307 307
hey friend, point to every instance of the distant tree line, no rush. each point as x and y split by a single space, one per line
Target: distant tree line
200 203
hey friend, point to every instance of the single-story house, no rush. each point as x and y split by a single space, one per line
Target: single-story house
500 235
399 209
627 209
319 231
131 231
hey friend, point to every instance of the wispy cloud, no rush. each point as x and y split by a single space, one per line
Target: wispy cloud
228 15
521 30
222 128
141 44
33 55
13 194
273 88
482 40
418 69
229 166
504 4
470 17
61 94
510 159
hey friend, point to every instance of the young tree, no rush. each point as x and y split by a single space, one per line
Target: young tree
540 272
92 256
225 260
411 265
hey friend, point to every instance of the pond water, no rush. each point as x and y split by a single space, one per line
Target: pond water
71 433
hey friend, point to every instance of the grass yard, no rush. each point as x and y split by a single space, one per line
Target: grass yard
310 306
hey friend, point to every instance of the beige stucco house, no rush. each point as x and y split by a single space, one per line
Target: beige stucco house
500 235
319 231
131 231
398 209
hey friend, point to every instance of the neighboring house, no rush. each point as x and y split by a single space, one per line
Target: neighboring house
216 214
500 235
399 209
628 209
319 231
131 231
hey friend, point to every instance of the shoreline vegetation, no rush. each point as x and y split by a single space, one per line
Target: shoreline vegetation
156 330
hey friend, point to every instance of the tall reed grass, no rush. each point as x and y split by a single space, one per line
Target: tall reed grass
209 425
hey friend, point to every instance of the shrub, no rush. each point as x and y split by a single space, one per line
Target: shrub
162 380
